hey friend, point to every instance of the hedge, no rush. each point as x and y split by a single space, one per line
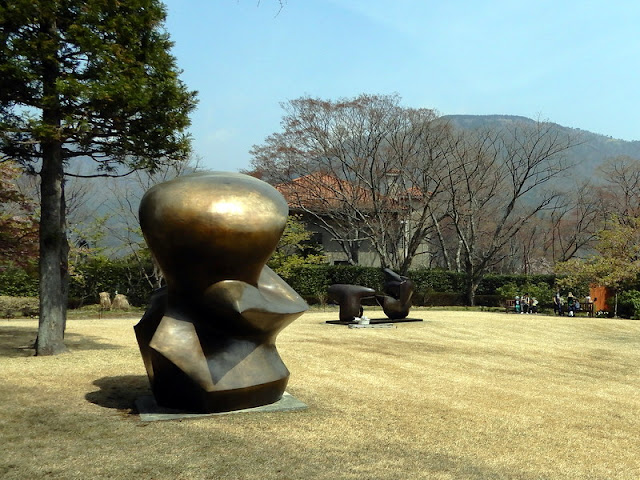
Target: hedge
433 286
106 275
17 282
11 307
629 304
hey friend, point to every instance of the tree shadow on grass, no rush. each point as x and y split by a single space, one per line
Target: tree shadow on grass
18 342
120 392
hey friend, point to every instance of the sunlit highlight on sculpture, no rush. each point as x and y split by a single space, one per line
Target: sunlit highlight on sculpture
208 338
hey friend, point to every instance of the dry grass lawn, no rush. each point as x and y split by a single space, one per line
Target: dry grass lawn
460 395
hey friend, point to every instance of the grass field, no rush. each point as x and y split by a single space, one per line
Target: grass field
460 395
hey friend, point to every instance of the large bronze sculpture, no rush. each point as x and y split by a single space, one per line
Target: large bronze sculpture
208 338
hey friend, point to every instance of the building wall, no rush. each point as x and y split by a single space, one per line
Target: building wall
366 256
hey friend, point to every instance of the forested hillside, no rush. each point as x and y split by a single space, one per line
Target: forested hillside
592 151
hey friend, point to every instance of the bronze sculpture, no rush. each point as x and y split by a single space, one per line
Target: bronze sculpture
208 338
398 292
349 297
395 301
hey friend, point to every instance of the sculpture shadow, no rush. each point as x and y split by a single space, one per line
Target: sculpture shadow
119 392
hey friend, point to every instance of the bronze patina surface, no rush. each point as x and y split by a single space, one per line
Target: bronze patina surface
349 297
208 339
397 300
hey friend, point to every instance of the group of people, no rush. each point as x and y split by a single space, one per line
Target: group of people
526 304
572 304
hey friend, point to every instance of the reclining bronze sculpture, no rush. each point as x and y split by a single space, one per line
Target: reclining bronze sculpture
398 292
349 297
395 300
208 338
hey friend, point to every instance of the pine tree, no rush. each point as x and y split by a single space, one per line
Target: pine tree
85 79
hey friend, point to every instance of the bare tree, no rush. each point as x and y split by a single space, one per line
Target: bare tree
495 183
362 169
573 223
621 193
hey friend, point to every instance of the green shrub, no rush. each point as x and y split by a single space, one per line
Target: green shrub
101 274
489 301
310 280
629 304
313 281
11 307
444 299
542 291
18 282
371 277
436 280
490 283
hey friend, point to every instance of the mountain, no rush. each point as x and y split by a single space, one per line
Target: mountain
592 151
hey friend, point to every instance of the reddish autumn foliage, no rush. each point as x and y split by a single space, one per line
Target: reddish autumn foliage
18 226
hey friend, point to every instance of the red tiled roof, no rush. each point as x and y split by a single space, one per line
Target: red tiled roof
321 190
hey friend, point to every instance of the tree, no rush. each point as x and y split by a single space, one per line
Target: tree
621 192
494 183
85 79
572 225
617 262
362 169
18 229
295 249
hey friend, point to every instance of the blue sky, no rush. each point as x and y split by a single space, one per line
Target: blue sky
571 62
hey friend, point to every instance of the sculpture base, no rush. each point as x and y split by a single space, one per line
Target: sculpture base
150 411
374 321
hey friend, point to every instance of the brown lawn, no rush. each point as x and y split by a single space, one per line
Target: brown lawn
464 395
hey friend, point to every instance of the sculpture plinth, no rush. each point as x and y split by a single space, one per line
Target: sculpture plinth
208 338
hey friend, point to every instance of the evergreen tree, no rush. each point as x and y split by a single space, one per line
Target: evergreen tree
85 79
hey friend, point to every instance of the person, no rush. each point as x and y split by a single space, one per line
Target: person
571 304
557 304
525 303
518 306
534 305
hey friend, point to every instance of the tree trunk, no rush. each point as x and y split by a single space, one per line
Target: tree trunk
354 250
443 244
473 280
64 256
53 253
472 286
459 257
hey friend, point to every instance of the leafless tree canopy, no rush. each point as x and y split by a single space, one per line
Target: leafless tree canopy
363 168
496 183
369 169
